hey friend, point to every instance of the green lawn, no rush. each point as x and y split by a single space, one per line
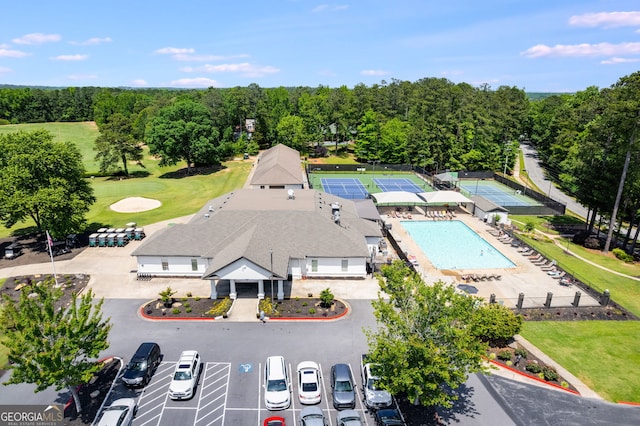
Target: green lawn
179 195
82 134
602 354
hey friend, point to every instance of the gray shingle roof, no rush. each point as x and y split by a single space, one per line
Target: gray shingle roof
279 165
248 223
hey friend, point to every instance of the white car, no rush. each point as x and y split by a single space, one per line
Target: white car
309 382
185 376
277 388
119 413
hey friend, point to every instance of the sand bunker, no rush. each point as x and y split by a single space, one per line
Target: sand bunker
135 205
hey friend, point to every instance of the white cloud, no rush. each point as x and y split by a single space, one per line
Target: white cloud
606 19
5 70
329 7
77 77
194 82
618 60
76 57
452 73
244 68
374 72
175 50
10 53
139 82
37 38
204 58
92 41
584 49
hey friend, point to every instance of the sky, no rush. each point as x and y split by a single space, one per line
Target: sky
537 46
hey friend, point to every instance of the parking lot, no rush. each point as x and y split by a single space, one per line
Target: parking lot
228 394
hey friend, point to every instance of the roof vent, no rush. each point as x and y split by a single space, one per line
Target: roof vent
207 215
210 208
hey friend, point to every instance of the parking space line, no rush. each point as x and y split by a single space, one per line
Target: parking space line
217 372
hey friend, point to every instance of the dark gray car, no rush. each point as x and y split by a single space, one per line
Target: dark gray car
342 387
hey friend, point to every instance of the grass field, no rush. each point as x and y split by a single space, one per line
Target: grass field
82 134
179 195
602 354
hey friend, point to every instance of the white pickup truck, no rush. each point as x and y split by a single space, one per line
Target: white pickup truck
374 397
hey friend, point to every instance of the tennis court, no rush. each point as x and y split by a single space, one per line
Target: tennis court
397 184
496 192
350 188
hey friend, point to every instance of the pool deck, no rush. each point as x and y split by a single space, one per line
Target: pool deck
526 277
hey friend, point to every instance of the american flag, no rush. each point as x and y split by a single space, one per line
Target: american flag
49 240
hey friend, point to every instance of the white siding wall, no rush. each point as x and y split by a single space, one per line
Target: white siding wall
178 266
332 267
243 270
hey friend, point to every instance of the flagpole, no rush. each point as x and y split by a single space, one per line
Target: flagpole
53 265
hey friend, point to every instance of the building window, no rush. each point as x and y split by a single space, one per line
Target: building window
314 265
194 264
165 265
345 265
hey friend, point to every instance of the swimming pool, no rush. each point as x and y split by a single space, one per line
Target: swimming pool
451 244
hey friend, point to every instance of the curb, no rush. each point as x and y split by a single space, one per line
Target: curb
513 370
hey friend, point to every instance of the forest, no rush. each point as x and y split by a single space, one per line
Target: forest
587 139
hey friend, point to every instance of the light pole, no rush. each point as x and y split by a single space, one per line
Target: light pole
271 273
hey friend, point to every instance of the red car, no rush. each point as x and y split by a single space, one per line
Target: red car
274 421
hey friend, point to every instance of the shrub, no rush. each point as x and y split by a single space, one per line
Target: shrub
188 310
622 255
509 363
221 307
297 311
184 299
186 305
166 296
175 311
312 311
189 294
304 304
522 352
533 367
297 299
529 226
266 306
564 384
197 298
326 298
492 355
550 374
504 355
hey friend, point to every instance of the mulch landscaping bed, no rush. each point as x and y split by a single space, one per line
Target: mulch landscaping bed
34 250
611 312
192 307
69 283
495 354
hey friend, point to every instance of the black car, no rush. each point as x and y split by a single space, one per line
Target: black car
389 417
142 365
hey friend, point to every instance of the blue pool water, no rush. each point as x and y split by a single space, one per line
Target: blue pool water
450 244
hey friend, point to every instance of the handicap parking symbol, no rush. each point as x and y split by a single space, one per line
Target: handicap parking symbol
245 368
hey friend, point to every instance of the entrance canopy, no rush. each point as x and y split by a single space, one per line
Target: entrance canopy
398 198
444 197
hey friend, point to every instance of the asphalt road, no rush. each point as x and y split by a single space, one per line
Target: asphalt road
538 177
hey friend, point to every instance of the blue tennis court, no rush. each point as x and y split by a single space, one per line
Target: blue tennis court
499 195
346 188
397 184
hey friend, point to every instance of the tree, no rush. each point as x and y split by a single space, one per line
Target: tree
425 343
50 344
367 146
117 144
291 132
44 181
184 131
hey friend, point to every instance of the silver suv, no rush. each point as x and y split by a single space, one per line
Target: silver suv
342 387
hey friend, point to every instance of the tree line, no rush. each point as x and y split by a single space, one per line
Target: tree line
587 139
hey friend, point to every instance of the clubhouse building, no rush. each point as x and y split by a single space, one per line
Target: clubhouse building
272 234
